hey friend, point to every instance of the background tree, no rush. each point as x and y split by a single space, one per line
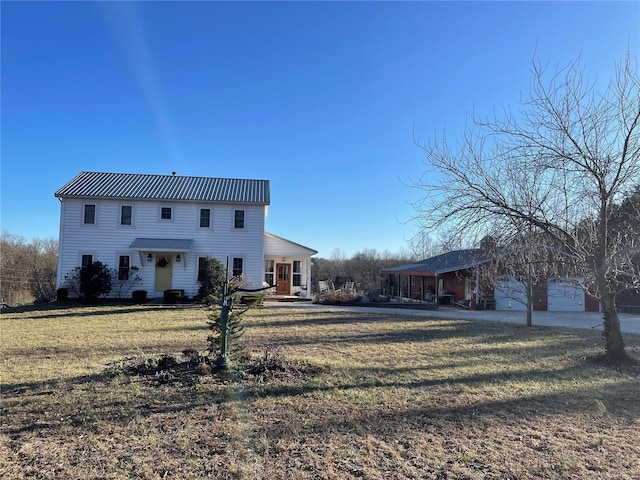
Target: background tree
520 265
625 229
43 256
364 269
422 246
560 166
338 272
27 269
212 276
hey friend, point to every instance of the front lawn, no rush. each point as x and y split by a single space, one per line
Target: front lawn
383 397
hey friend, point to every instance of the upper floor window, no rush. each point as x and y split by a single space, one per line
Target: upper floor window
126 214
237 266
238 219
205 217
165 213
123 267
90 214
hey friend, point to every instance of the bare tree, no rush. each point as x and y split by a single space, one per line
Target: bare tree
43 256
559 166
421 246
521 264
27 269
338 263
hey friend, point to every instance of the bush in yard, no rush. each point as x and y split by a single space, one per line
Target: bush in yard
139 296
174 296
62 294
124 281
341 296
89 282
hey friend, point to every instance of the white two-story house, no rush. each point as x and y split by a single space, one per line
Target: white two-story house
164 225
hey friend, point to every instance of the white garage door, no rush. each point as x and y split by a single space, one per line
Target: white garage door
564 297
509 295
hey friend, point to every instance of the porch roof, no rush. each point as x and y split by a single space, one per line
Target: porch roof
444 263
161 244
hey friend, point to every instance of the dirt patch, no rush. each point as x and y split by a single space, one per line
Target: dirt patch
189 368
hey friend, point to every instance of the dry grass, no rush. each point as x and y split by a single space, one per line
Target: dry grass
397 397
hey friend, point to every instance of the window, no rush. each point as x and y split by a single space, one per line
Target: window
123 267
297 273
90 214
238 219
87 260
205 217
269 269
126 214
237 267
165 213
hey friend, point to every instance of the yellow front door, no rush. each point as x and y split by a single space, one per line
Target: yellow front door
163 273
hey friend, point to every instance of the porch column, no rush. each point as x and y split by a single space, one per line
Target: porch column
308 277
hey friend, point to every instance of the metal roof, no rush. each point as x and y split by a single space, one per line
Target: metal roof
162 244
447 262
166 187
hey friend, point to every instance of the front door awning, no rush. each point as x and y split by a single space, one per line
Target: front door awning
161 244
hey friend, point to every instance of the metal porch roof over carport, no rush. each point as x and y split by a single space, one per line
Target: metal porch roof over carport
162 244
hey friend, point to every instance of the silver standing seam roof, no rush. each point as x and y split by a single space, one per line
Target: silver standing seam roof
444 263
166 187
162 244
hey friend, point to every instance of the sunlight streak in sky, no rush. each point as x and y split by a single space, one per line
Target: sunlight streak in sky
124 21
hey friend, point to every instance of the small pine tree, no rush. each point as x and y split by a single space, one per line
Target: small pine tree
235 330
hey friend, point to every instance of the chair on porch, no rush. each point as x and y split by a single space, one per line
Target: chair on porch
323 286
463 303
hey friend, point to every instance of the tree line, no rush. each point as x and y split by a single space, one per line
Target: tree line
364 266
27 269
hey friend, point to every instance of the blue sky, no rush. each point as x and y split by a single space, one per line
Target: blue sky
322 99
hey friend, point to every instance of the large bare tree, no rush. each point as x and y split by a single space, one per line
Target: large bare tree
559 165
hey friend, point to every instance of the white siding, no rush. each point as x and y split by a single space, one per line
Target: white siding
277 246
107 238
281 250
